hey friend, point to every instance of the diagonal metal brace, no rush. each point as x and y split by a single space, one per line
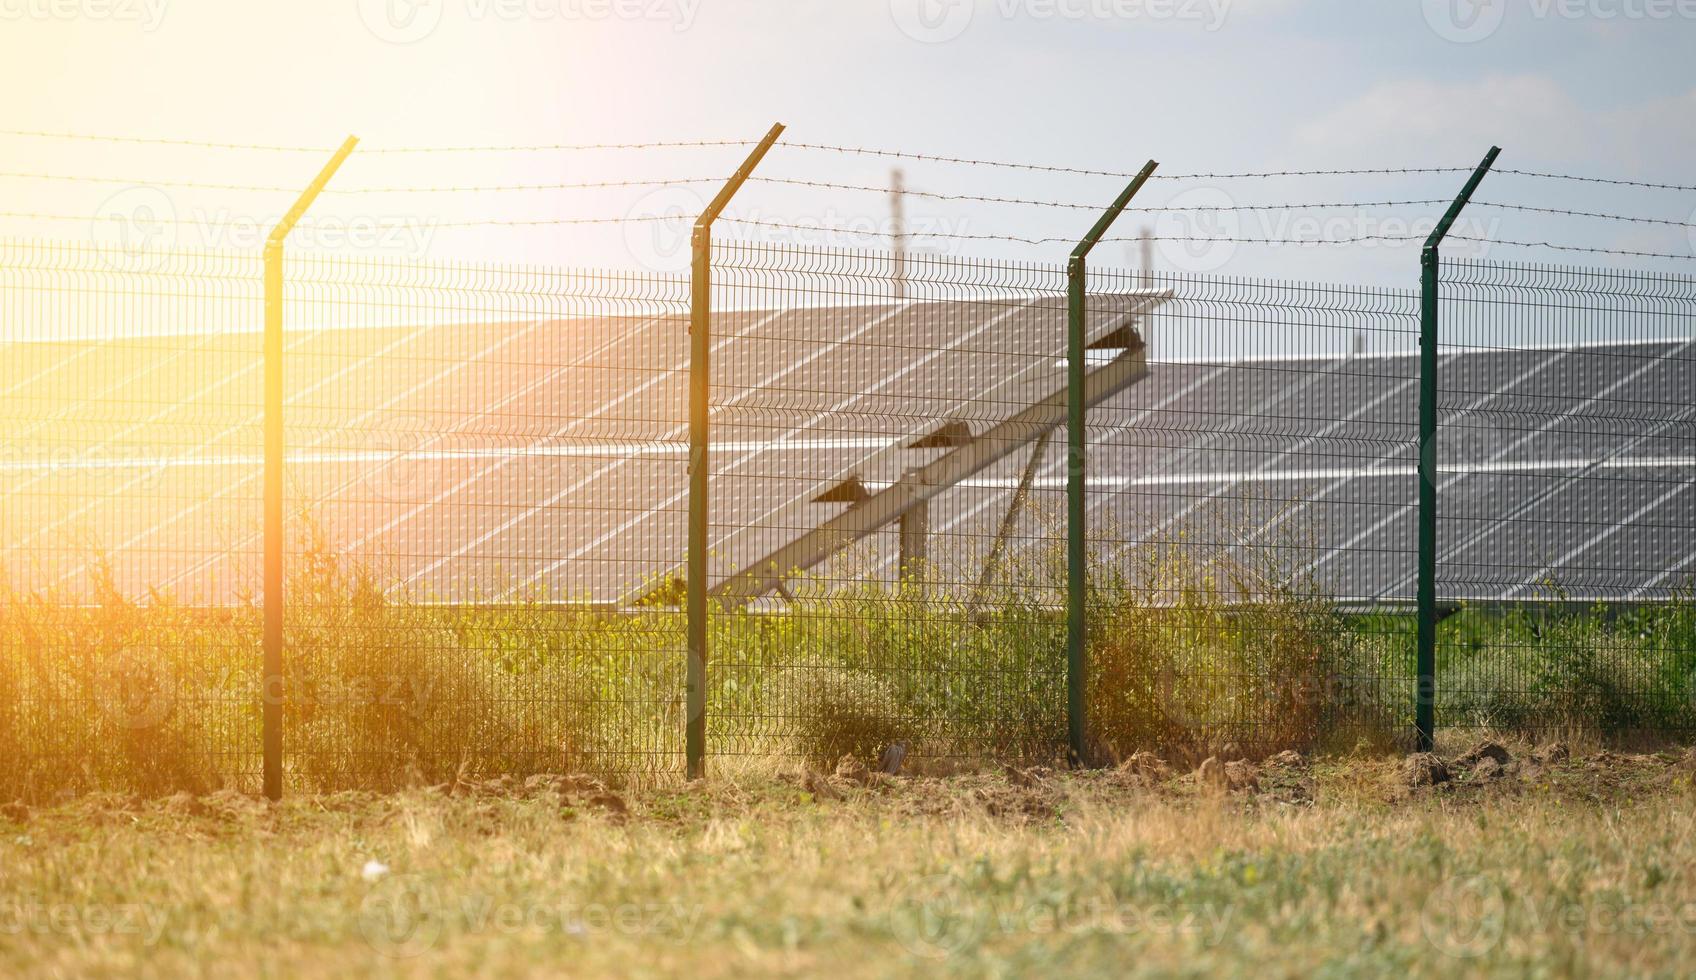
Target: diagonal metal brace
923 483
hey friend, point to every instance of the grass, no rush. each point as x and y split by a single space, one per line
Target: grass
1194 653
1579 869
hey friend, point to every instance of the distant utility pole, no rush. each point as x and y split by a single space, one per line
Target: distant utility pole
1145 263
898 228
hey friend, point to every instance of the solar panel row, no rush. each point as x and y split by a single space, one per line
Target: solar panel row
491 459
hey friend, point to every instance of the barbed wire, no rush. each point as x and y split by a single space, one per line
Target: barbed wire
1585 214
627 219
1574 248
367 150
963 236
500 188
1095 207
1598 180
346 191
558 147
1046 168
163 141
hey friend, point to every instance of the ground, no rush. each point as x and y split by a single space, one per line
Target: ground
1510 861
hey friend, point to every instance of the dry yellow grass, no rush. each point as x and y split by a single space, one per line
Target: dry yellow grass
1582 867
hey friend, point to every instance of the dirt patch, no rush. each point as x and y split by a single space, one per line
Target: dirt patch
1287 778
1423 770
1236 776
1143 769
1035 794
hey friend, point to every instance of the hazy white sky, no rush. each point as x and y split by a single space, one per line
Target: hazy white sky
1601 87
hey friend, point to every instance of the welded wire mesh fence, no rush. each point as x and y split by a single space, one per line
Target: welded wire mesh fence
486 467
1248 503
487 486
1567 482
882 570
130 393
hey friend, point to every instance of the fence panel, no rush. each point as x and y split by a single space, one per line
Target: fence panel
130 397
883 571
485 468
1566 499
1250 515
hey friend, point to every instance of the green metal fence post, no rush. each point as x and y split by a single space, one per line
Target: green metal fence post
1425 705
700 389
1076 531
271 690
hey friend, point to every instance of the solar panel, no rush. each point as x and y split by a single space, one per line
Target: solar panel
508 453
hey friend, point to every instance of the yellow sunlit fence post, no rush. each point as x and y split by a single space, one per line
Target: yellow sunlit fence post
272 692
700 403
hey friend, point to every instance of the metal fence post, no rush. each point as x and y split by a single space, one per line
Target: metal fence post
271 688
1077 574
700 389
1425 705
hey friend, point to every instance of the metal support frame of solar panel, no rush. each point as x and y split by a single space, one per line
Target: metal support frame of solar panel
905 486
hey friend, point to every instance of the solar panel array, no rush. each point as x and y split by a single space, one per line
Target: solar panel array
542 456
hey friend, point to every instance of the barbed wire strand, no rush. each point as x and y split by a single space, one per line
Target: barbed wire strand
1050 241
628 219
1095 207
1584 214
1574 248
1046 168
368 150
345 191
1598 180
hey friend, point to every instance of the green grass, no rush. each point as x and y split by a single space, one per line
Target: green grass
1191 656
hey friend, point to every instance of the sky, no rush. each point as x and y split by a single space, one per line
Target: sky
1598 88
